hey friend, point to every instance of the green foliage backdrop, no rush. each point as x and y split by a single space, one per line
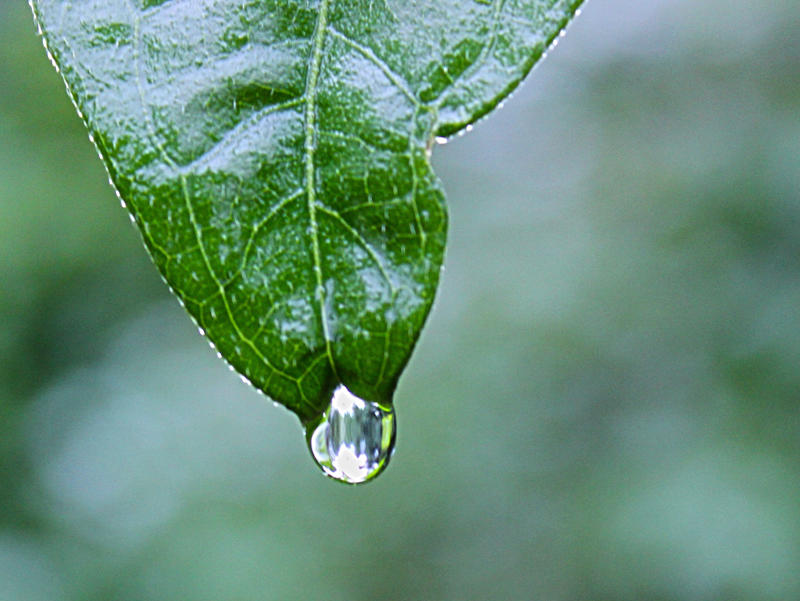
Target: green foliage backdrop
604 404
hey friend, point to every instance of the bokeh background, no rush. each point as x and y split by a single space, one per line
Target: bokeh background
604 406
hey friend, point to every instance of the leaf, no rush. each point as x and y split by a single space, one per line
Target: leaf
275 156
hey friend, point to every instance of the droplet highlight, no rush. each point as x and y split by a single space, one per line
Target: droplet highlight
354 440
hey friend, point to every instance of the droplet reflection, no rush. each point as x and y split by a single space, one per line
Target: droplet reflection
354 440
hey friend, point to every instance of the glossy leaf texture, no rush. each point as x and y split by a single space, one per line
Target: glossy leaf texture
275 157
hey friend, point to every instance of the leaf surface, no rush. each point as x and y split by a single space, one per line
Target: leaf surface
275 156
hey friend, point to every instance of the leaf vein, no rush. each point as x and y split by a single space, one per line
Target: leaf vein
309 146
374 255
188 203
488 46
370 55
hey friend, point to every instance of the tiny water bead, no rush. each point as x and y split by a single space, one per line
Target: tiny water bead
355 438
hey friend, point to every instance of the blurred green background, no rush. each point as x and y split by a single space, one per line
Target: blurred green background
605 404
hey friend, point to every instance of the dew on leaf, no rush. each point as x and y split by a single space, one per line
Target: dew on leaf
354 439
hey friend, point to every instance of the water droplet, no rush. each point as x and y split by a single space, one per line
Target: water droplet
355 438
441 140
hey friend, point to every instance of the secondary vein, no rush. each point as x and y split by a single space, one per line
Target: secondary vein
188 203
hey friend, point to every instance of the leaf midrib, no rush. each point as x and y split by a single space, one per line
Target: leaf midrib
309 146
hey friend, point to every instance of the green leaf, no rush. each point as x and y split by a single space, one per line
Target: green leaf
275 156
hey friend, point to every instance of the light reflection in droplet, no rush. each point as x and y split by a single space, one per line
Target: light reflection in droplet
355 438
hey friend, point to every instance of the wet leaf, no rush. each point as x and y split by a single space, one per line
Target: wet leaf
275 156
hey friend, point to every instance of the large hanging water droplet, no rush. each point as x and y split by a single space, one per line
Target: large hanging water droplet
354 440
